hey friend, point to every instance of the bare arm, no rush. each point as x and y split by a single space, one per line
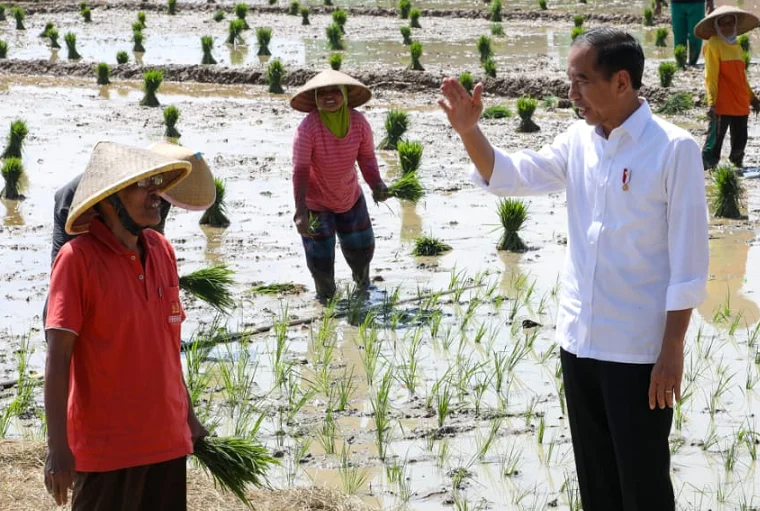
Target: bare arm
480 151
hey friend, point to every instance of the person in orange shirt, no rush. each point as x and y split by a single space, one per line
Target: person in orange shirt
119 419
729 95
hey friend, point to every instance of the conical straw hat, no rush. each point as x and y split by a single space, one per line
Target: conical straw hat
745 21
197 192
114 167
304 101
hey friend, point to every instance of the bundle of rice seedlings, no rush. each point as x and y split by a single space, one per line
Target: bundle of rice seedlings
576 32
340 17
211 285
82 6
103 72
404 6
13 172
747 59
429 246
2 13
680 55
542 4
677 103
218 15
497 112
122 57
327 2
235 35
48 27
497 29
484 48
415 51
489 67
578 20
151 82
71 45
234 464
263 38
19 15
494 10
743 41
727 194
512 214
215 216
16 137
171 7
241 11
526 107
414 18
141 18
86 14
3 50
667 71
207 45
648 17
661 37
275 74
293 8
137 39
334 36
336 60
406 33
409 156
53 36
137 26
467 81
407 187
305 16
171 116
396 124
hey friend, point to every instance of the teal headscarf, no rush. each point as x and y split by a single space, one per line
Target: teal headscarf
337 122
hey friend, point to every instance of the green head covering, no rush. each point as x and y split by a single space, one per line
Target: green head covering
337 122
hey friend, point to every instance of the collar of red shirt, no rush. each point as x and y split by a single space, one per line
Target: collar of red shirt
103 234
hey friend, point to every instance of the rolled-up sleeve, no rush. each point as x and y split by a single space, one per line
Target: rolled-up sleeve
528 172
688 249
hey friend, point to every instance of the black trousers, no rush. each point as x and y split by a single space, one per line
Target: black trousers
716 133
622 454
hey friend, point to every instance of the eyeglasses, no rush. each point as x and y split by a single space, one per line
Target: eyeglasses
156 180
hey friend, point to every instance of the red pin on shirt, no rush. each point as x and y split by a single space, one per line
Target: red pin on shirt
626 179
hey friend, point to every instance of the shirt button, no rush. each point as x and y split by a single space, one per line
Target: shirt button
141 277
133 258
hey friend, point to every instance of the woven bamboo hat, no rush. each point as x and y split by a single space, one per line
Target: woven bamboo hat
112 168
197 192
304 100
745 21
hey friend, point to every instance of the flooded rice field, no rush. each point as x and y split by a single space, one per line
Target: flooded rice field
443 389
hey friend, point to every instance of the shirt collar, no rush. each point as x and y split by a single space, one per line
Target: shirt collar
103 234
634 125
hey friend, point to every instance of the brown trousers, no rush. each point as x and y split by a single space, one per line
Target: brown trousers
158 487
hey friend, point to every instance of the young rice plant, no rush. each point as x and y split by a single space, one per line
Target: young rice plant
334 36
512 215
103 72
151 82
429 246
71 46
13 172
336 60
122 57
171 116
667 71
409 155
263 38
727 194
216 216
275 74
415 51
526 107
661 37
207 45
396 124
406 34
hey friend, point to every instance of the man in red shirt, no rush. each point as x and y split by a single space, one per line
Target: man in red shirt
118 414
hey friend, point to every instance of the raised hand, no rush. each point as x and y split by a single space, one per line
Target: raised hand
462 110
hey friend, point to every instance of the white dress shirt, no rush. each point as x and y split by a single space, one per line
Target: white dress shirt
632 254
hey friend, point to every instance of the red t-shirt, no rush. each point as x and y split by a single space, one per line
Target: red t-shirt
127 402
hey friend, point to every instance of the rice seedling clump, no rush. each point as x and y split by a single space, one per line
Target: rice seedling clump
138 38
48 27
103 72
680 55
305 16
467 81
414 18
16 137
406 33
87 14
404 6
2 13
484 47
241 11
415 51
171 7
494 10
743 41
122 57
171 116
489 67
216 216
13 173
727 193
667 71
141 18
340 17
429 246
578 20
512 215
497 112
661 37
19 15
151 82
211 285
275 74
334 36
336 61
526 107
542 5
410 156
207 45
678 103
218 15
3 50
407 187
576 32
263 38
71 46
235 34
396 124
497 29
53 37
747 59
648 17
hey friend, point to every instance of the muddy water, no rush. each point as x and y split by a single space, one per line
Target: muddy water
245 135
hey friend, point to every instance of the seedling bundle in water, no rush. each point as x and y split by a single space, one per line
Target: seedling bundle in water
86 14
275 74
648 17
747 59
3 50
396 124
406 33
743 41
305 16
414 18
494 10
667 71
489 67
340 17
294 8
218 16
415 51
211 285
728 192
467 82
137 39
497 112
576 32
103 72
484 48
137 26
410 156
407 187
141 18
241 11
234 464
71 46
512 215
122 57
542 5
19 15
429 246
207 45
16 138
48 27
2 13
235 36
497 29
680 55
13 172
171 116
336 60
661 37
53 36
151 82
334 36
677 103
263 38
215 216
526 107
404 6
171 7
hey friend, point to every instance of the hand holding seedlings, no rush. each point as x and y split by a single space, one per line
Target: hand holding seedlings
380 192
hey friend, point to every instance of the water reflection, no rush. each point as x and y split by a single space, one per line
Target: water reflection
411 222
238 54
214 239
104 91
53 56
13 216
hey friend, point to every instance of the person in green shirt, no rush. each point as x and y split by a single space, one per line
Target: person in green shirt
684 16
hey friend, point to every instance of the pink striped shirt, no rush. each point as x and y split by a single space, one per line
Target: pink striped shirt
327 163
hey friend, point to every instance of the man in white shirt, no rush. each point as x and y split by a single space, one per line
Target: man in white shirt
635 268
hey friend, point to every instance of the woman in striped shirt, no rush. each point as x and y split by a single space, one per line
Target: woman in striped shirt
328 143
